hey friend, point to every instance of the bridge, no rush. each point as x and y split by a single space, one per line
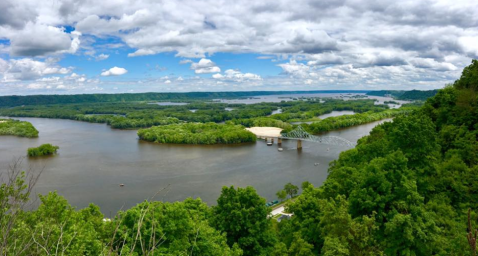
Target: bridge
299 134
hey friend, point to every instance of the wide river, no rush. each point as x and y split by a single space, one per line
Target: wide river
94 159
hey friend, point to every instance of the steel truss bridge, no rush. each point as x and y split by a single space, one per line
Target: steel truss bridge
300 134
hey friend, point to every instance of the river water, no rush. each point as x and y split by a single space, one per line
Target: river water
94 159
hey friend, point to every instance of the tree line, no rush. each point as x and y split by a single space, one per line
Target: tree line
197 133
15 100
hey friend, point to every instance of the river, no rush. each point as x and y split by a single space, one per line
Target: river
94 159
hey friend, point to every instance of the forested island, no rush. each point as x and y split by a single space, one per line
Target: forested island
408 188
17 128
134 115
197 133
43 150
405 95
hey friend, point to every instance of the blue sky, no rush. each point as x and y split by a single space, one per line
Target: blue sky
74 46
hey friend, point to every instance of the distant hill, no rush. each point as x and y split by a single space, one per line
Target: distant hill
11 101
417 95
405 95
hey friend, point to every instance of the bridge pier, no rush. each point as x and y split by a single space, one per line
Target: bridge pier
279 141
299 144
272 140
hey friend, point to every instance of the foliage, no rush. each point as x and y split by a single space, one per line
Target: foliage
242 214
338 122
196 133
133 115
43 150
405 189
159 228
417 95
18 128
262 122
405 95
291 189
281 194
469 77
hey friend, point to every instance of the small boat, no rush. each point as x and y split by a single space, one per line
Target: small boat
315 164
121 185
269 143
280 149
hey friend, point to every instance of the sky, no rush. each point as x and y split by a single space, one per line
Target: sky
122 46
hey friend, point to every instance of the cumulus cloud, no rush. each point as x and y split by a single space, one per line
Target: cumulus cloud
205 66
318 43
236 75
15 14
40 40
324 59
28 69
114 71
296 69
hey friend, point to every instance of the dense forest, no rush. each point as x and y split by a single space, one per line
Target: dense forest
405 95
42 150
338 122
135 115
11 101
406 189
17 128
197 133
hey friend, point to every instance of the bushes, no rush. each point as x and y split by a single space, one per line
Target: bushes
17 128
197 133
43 150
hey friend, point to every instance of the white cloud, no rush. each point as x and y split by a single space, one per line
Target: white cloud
28 69
185 61
237 76
334 44
167 81
102 57
469 45
296 69
114 71
40 40
205 66
429 63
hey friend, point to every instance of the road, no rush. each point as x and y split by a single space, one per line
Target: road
277 211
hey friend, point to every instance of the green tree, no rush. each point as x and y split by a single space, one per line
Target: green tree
43 150
306 185
300 247
242 214
169 228
281 194
291 189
